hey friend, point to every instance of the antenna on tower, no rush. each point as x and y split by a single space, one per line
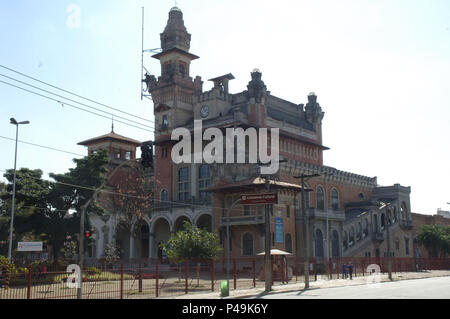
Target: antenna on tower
147 74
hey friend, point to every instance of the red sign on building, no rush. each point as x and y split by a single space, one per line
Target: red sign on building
254 199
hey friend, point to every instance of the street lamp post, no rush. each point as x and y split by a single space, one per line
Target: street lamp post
305 222
14 122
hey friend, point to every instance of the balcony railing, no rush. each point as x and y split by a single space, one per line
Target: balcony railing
243 220
322 214
183 203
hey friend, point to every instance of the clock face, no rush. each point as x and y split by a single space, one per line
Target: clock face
204 111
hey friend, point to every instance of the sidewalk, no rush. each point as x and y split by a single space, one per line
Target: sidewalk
320 283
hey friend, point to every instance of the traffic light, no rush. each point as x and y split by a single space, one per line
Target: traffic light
87 234
147 154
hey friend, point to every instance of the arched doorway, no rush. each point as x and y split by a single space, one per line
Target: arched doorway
319 244
144 244
123 240
161 229
205 222
179 223
335 244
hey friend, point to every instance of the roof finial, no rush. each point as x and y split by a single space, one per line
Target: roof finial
112 124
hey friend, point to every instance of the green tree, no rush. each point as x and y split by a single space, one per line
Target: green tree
192 243
31 196
436 239
72 190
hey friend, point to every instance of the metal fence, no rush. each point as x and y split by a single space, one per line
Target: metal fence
154 279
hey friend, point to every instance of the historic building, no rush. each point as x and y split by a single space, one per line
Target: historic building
343 208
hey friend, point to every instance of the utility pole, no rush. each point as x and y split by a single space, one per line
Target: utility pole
305 228
11 228
267 239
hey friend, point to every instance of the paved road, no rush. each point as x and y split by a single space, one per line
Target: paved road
430 288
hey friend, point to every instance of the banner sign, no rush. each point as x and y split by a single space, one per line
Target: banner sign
254 199
279 231
29 246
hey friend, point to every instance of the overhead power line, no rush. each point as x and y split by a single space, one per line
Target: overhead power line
74 106
42 146
94 108
74 94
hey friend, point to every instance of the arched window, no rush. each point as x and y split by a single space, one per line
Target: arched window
204 182
351 236
288 243
335 199
365 228
404 211
320 198
358 232
335 244
383 221
164 196
345 240
183 184
247 245
319 243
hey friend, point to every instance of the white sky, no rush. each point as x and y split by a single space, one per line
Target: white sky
381 71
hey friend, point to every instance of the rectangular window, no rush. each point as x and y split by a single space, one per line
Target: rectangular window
407 246
128 155
204 182
246 210
183 184
288 211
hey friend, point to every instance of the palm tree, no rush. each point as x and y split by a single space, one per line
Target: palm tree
435 238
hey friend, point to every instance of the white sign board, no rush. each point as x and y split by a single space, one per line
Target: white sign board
29 246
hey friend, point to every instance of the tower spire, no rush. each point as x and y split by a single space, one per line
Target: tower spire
112 124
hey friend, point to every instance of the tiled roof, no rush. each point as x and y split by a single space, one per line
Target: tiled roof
110 136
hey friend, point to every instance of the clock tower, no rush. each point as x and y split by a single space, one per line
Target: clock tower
172 92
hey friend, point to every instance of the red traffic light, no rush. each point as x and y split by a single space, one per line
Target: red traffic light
88 234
